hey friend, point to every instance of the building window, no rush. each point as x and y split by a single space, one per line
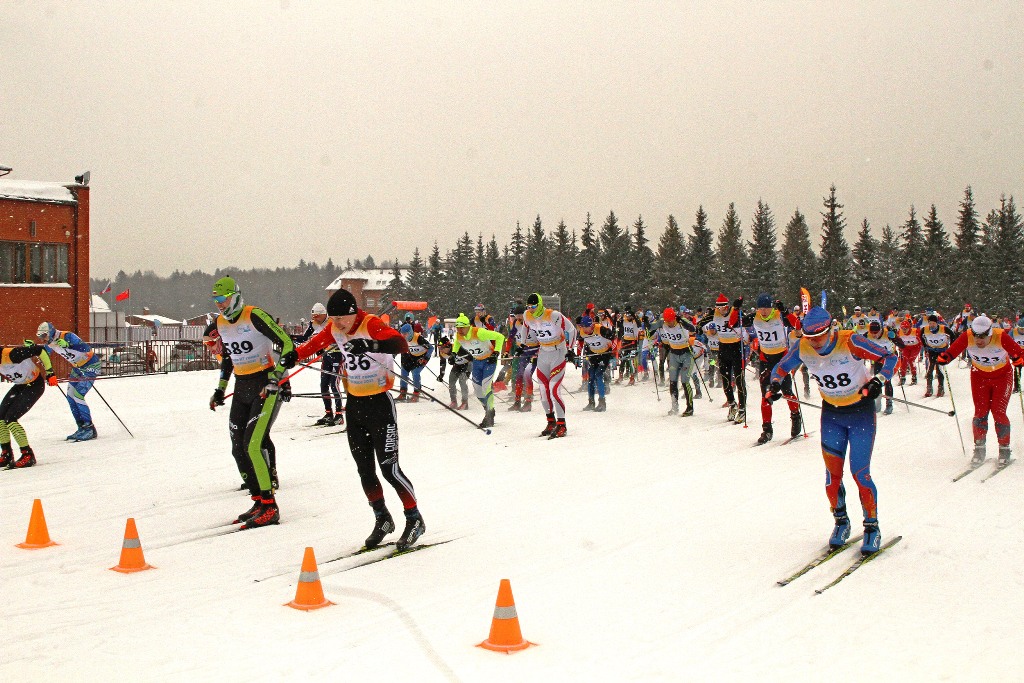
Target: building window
371 303
23 262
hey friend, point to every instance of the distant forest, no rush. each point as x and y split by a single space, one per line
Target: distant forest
916 264
286 293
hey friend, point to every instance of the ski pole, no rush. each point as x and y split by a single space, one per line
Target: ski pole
115 413
951 413
96 379
953 403
700 376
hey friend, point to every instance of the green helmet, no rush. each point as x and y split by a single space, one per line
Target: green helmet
225 289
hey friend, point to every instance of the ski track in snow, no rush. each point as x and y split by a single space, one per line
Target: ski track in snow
641 547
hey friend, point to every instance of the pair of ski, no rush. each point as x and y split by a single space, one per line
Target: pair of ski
998 468
319 434
829 553
367 556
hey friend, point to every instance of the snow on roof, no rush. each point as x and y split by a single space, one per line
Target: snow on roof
157 319
36 190
376 279
98 305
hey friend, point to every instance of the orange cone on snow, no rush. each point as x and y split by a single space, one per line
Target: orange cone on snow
131 551
505 634
309 594
37 536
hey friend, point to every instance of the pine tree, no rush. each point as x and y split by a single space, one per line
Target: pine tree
589 259
865 286
835 264
798 264
699 275
641 262
731 256
562 265
964 268
670 264
764 254
1010 249
415 279
433 285
535 264
515 266
935 282
887 270
912 263
614 262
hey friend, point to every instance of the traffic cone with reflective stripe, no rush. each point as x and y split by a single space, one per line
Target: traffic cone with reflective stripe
309 594
37 536
505 634
131 551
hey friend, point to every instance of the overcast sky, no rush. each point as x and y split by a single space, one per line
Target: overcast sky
258 133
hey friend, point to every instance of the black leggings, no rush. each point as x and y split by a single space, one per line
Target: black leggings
331 362
20 398
373 431
250 420
730 367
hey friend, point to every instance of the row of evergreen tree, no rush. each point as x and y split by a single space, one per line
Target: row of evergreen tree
913 266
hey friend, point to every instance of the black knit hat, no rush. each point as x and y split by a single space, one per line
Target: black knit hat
341 303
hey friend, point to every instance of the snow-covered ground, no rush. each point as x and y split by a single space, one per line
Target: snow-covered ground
642 547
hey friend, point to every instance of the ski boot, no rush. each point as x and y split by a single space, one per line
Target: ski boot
872 537
928 389
339 420
415 398
414 528
6 455
326 421
688 412
732 411
913 380
86 433
267 514
550 427
632 380
464 405
674 410
250 513
697 393
941 392
453 405
841 532
888 407
488 420
516 407
28 458
1002 461
74 436
796 425
601 407
741 416
402 396
590 405
559 430
383 524
766 433
979 453
527 405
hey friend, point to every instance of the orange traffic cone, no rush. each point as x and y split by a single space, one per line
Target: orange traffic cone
131 551
309 594
505 634
37 536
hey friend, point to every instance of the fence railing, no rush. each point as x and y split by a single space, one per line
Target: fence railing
147 357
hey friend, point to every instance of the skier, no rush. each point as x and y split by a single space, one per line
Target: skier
730 355
847 393
629 335
85 368
770 322
597 341
481 343
885 339
935 339
525 346
330 367
556 335
990 351
1017 332
714 345
858 322
28 368
910 346
481 318
676 335
413 362
368 346
257 351
460 364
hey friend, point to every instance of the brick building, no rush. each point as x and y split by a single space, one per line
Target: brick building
44 257
367 286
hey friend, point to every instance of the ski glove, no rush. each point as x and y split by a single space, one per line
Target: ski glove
873 389
51 379
62 343
289 359
779 306
217 399
774 391
737 303
570 356
358 347
943 358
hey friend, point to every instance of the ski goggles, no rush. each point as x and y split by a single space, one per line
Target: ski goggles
221 298
982 335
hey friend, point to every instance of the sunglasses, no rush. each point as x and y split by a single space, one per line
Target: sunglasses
531 306
981 335
220 298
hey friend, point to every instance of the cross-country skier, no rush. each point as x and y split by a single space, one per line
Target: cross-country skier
910 347
730 355
460 363
1017 332
885 339
556 335
28 368
991 351
257 351
848 392
481 343
413 362
368 346
330 368
629 337
85 368
525 347
676 334
597 347
935 339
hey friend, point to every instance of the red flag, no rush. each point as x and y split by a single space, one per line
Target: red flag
123 295
107 290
